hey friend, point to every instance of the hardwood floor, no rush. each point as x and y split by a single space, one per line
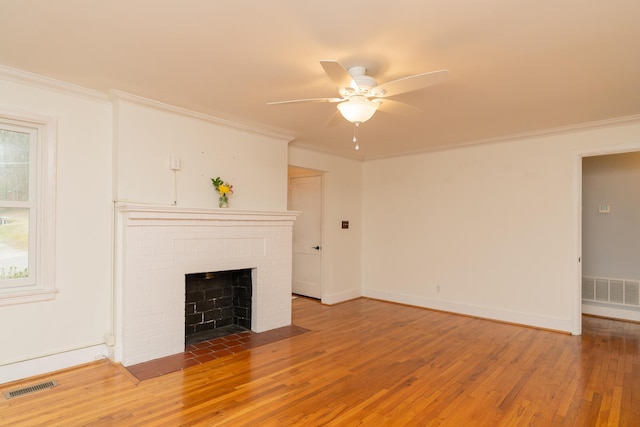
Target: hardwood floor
370 363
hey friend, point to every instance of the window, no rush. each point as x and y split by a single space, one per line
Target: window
27 184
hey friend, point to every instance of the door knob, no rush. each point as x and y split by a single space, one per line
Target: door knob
317 248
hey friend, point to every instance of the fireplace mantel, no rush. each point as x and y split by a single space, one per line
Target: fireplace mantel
173 213
156 246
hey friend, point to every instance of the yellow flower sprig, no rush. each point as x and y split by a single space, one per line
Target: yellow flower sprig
225 189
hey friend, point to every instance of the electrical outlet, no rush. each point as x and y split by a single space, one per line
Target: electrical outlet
438 288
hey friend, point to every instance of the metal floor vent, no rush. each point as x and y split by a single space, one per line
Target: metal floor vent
606 290
30 389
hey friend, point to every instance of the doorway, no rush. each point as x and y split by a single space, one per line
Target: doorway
305 196
611 236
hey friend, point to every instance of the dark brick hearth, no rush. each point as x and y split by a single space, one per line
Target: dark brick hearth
216 304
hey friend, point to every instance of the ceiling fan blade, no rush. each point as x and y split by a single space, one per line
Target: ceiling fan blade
306 100
407 84
395 107
335 119
339 75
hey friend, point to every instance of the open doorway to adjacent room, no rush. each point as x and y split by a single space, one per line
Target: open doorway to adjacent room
611 235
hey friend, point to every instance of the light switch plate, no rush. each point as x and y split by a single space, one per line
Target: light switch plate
174 163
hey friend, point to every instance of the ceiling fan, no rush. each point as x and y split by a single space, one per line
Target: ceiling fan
361 96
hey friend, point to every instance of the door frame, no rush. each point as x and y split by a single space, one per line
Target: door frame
300 172
577 216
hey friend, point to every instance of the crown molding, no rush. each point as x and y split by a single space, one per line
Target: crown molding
315 149
116 95
598 124
24 77
31 79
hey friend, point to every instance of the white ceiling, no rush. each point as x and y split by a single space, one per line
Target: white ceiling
516 66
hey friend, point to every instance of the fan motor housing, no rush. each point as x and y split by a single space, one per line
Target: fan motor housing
362 80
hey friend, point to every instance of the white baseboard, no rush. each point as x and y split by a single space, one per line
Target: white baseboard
557 324
42 365
613 312
341 296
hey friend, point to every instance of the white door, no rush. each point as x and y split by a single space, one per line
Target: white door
305 195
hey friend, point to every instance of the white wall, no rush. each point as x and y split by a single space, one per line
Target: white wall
79 316
489 230
148 134
342 200
611 242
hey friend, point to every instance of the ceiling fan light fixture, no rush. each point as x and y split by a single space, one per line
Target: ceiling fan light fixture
358 109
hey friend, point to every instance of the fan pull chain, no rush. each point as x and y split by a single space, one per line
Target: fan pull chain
355 135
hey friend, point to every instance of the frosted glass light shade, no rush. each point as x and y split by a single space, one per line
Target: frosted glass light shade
357 109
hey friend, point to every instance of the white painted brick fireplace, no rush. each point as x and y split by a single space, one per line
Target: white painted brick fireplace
157 246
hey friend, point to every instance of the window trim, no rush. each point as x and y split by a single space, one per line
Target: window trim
44 287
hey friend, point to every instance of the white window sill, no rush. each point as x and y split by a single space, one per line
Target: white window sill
23 297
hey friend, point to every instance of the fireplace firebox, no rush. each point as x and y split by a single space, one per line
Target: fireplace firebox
217 304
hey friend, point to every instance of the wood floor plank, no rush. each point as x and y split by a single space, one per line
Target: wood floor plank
367 362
